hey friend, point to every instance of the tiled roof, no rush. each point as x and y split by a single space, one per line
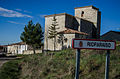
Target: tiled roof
19 43
70 31
3 45
58 15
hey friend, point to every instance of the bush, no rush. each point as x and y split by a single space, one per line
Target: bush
10 70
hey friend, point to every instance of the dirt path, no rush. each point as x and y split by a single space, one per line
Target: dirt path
2 62
5 59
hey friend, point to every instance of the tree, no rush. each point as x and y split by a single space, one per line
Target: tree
53 31
62 39
32 35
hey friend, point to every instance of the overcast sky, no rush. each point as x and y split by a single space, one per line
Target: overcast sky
15 14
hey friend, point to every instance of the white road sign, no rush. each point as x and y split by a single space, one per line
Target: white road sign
93 44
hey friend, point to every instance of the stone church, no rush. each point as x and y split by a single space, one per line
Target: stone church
85 24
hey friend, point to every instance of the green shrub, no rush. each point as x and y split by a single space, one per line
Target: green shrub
61 65
10 70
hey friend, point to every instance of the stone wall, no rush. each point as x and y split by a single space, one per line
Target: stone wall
88 27
64 21
91 14
88 14
48 43
69 37
81 25
31 51
80 36
71 22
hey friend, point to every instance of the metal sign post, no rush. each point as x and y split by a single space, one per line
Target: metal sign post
77 63
107 65
93 44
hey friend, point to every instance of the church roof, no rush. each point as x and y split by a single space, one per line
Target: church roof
58 15
87 7
70 31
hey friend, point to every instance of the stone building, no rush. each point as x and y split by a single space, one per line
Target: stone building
85 24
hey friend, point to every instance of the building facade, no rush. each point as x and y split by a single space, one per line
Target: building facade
17 48
86 23
3 50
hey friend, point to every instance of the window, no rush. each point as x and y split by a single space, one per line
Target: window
65 39
82 13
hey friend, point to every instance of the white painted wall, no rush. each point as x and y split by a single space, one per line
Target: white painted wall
49 43
16 49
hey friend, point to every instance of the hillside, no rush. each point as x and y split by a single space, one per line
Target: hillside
61 65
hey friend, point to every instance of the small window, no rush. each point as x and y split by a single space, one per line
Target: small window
65 39
82 13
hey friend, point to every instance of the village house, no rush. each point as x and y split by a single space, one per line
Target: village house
16 48
85 24
3 50
111 35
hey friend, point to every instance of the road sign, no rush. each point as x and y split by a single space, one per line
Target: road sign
93 44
